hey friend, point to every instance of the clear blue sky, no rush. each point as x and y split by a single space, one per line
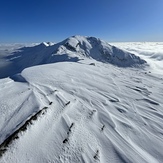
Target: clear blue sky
54 20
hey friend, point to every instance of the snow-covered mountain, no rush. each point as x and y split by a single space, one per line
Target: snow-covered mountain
72 49
93 103
99 50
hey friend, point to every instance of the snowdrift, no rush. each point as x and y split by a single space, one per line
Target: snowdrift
99 113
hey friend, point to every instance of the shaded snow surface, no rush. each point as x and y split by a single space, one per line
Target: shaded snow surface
152 52
96 112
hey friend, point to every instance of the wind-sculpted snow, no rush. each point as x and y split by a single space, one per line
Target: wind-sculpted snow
96 112
72 49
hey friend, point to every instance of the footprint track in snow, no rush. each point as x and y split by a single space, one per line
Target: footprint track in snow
79 138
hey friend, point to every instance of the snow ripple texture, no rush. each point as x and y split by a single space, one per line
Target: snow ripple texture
96 112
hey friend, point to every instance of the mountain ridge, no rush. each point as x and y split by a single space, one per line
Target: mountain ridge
72 49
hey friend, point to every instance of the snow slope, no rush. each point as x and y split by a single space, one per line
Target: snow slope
8 57
96 112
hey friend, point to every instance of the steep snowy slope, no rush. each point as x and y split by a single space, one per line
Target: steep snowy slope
102 51
6 65
72 49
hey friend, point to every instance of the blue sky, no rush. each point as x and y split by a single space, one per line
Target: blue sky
55 20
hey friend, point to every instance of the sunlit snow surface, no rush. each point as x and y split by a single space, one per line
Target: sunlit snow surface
117 112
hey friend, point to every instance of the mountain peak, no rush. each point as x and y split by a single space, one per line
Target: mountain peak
100 50
74 49
47 44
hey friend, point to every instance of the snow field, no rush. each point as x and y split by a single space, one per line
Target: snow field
115 113
102 104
